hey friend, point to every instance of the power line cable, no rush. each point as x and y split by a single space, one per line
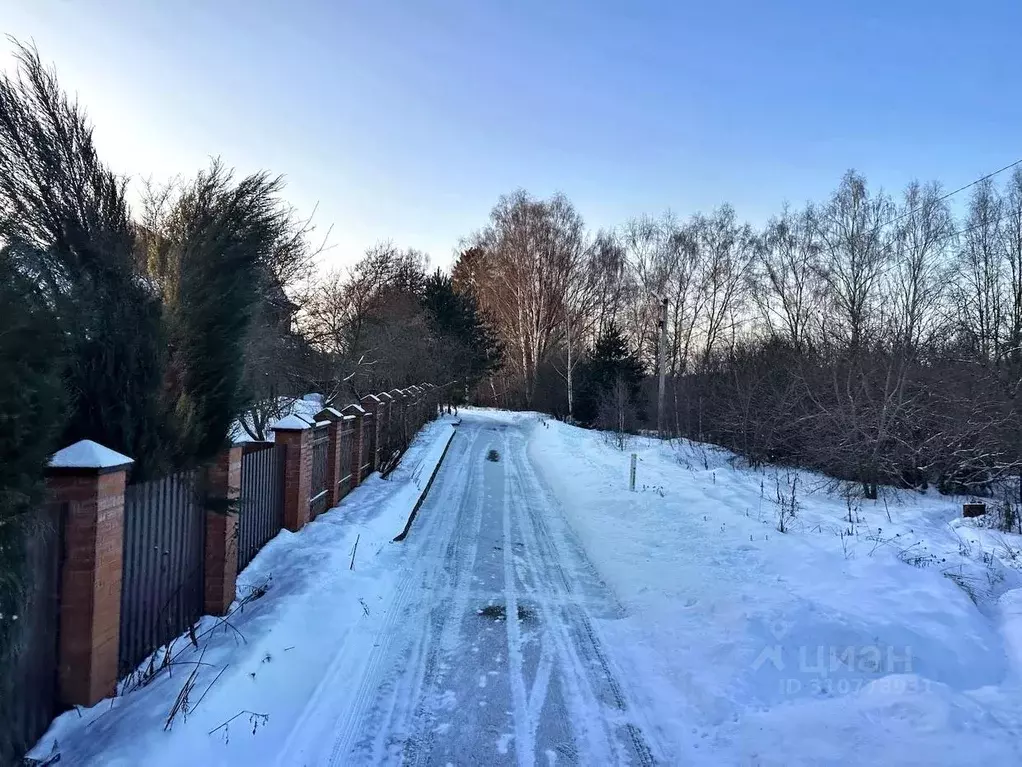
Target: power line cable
947 195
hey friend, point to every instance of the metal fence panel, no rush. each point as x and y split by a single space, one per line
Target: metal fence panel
320 457
164 564
367 444
261 504
389 432
347 434
27 714
392 437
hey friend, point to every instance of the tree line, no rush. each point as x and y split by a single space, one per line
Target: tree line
876 338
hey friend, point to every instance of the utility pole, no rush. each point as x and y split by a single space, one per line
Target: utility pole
662 360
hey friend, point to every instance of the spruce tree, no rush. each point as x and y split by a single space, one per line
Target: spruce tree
609 363
469 347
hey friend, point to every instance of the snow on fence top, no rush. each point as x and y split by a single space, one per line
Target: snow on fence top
291 423
86 454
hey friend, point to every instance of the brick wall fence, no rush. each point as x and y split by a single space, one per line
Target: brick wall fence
90 481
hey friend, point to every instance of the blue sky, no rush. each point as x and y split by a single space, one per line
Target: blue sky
406 120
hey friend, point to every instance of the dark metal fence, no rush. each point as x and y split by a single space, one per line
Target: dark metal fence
345 436
164 558
392 433
320 457
367 446
401 425
261 512
25 716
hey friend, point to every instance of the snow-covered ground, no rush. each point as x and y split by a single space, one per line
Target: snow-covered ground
894 638
258 669
540 612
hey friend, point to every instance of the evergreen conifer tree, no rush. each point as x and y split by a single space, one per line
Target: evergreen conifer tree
609 363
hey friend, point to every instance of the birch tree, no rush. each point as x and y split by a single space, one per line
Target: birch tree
979 296
856 250
922 240
528 263
728 250
1011 233
789 289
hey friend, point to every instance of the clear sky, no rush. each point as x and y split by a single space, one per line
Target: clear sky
406 120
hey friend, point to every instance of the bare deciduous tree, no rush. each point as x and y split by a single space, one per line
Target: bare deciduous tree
856 250
980 284
529 262
728 251
923 235
789 279
1011 231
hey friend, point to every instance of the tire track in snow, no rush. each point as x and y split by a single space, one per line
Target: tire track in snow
418 667
524 725
333 715
584 711
459 562
580 646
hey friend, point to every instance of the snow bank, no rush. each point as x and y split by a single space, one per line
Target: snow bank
257 669
870 632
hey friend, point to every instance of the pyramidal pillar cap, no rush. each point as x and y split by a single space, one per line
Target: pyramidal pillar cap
88 455
291 423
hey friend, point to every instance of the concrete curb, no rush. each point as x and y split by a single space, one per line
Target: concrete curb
415 510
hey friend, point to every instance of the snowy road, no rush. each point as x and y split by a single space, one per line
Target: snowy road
486 650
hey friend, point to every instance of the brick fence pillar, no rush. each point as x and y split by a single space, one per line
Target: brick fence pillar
297 435
371 404
357 412
90 480
223 489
